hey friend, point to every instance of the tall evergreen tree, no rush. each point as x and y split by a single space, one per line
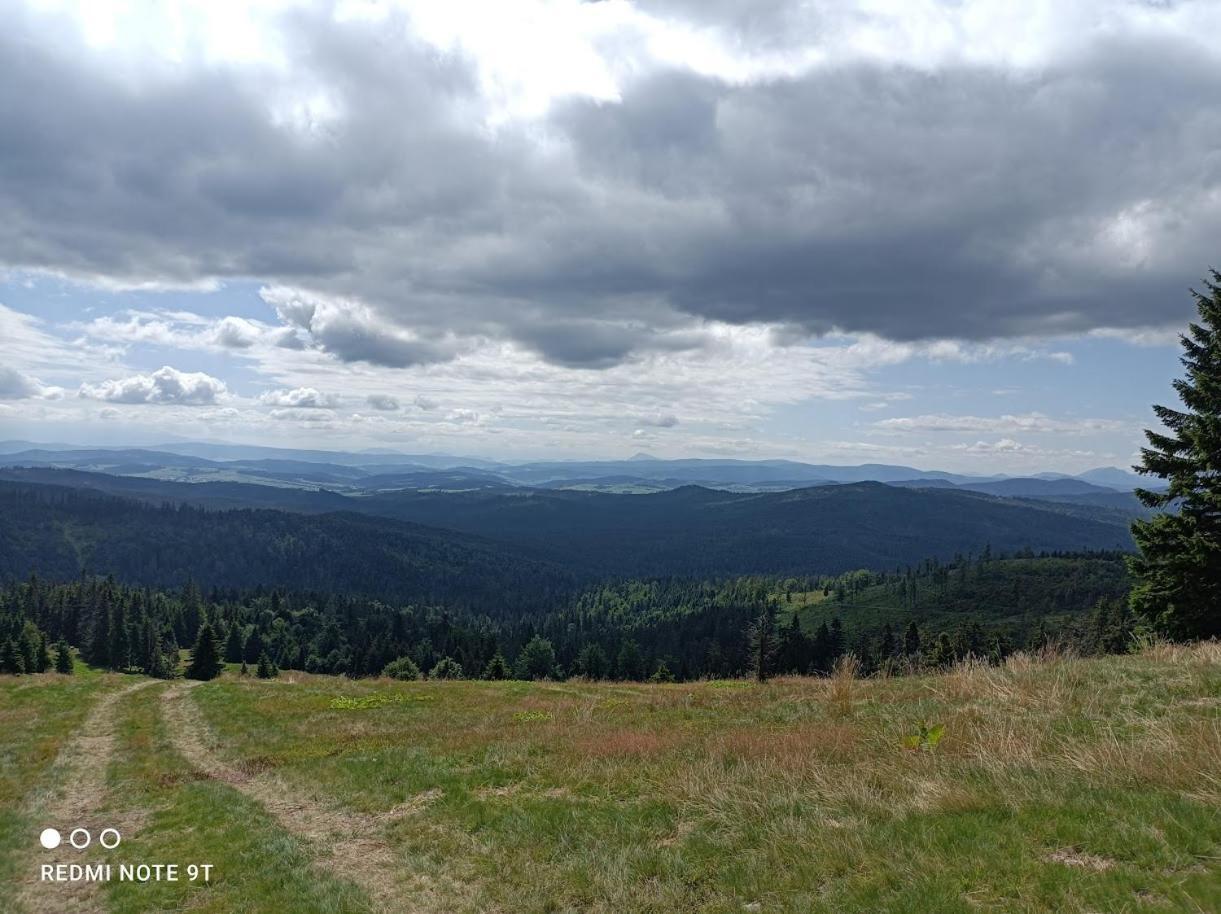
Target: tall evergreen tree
11 660
205 658
821 651
266 669
99 641
1177 576
763 642
27 643
793 651
63 658
234 644
43 661
497 667
254 646
119 659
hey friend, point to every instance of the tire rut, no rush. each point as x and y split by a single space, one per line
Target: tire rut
78 789
347 845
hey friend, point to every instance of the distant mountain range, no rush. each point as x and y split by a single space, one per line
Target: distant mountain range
356 472
63 521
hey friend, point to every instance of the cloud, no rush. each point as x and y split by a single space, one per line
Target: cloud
406 188
174 329
353 332
165 385
382 402
425 403
1009 446
299 398
236 333
308 415
16 385
661 420
1029 422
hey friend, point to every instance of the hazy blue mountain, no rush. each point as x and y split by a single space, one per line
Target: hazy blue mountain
203 461
1117 478
1036 488
689 531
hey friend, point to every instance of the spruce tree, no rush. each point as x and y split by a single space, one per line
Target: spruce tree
497 668
266 669
662 673
99 643
254 646
43 662
821 650
205 659
11 660
27 644
1177 576
63 658
234 644
793 652
119 659
763 642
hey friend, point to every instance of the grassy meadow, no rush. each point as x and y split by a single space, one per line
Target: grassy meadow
1059 784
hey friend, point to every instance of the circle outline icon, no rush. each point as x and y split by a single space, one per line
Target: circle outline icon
50 838
72 838
117 838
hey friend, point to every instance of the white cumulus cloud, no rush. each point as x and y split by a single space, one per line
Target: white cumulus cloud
165 385
299 398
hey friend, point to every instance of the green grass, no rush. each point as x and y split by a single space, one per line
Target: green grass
1060 784
177 816
37 713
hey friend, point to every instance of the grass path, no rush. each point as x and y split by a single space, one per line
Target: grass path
348 846
79 789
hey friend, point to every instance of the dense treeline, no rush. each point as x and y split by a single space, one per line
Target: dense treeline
662 629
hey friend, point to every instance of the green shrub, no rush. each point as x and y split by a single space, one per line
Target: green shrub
403 668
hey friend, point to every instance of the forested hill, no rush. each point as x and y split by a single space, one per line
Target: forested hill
60 533
694 531
526 536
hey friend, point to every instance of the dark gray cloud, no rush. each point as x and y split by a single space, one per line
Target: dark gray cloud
948 201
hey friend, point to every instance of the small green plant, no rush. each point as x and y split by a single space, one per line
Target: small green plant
528 716
376 700
926 740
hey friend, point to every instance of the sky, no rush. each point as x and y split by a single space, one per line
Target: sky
956 235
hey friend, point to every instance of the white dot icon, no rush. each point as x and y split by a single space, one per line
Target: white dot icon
49 838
